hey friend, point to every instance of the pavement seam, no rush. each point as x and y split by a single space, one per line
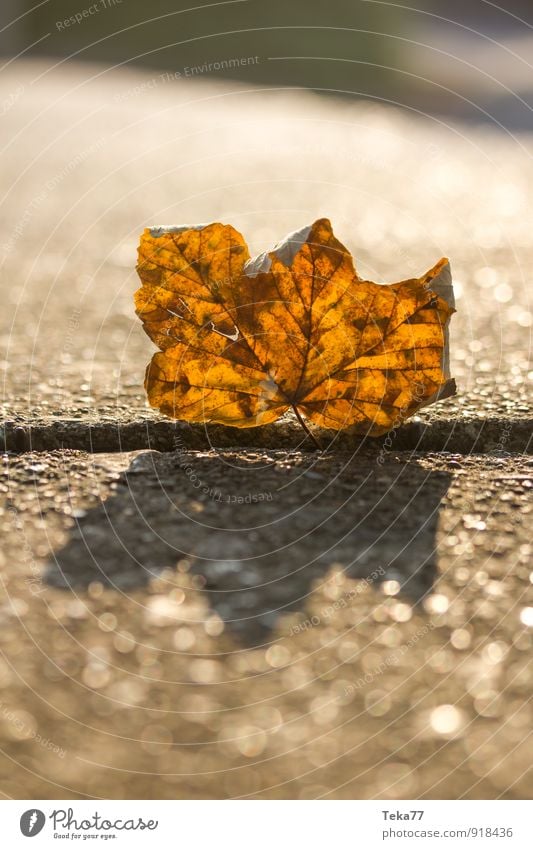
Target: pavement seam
489 436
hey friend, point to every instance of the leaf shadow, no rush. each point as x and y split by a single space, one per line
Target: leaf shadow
256 530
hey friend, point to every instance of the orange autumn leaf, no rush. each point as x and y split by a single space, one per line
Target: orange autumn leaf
242 341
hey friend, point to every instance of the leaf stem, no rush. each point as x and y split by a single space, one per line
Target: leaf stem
303 424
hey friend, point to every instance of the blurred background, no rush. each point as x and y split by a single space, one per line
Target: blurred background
409 125
470 59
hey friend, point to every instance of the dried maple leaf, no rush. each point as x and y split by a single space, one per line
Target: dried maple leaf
242 341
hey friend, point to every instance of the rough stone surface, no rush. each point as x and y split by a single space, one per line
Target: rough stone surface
495 435
95 159
231 613
295 626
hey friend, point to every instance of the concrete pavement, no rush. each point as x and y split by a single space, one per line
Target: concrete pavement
193 612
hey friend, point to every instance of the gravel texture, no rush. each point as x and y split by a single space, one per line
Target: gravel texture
97 158
232 613
348 629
